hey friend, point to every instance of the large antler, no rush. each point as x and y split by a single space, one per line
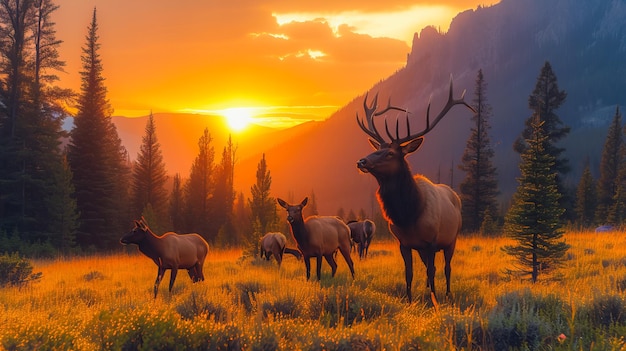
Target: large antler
370 113
373 132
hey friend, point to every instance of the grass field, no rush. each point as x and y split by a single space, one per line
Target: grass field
247 304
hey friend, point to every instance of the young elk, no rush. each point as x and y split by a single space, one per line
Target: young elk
273 243
423 216
318 236
362 233
169 251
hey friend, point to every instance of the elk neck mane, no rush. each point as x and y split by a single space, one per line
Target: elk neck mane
400 198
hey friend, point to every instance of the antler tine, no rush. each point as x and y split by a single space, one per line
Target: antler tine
449 104
370 112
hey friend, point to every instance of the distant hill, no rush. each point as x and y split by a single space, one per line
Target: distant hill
584 41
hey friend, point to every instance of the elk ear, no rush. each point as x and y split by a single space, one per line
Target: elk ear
304 202
282 203
374 144
412 145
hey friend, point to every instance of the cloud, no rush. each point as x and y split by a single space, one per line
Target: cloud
165 56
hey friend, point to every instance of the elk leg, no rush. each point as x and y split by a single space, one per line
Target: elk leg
199 273
428 257
447 254
408 269
346 256
319 267
307 264
173 273
332 263
160 273
279 257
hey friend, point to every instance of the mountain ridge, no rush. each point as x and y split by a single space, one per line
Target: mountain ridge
510 41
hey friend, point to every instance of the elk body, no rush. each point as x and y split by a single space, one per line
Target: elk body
362 233
423 216
170 251
273 243
318 236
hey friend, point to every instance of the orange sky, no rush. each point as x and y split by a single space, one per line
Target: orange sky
281 58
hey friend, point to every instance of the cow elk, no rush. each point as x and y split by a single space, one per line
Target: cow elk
362 233
170 251
318 236
423 216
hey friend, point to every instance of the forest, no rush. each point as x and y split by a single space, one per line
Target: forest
67 192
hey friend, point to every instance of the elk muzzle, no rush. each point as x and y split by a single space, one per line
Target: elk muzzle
362 165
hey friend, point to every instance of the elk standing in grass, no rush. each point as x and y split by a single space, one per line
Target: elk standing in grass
273 243
318 236
423 216
362 233
170 251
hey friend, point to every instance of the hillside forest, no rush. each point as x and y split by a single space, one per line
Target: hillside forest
77 191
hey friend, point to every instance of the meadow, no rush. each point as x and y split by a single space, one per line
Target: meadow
106 303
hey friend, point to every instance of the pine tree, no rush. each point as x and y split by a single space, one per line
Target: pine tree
199 188
534 218
176 205
224 195
31 115
98 160
545 99
586 199
262 206
609 168
479 189
149 177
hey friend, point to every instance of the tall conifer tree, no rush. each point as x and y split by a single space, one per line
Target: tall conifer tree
609 168
97 158
586 199
149 177
31 115
545 99
199 188
176 205
534 219
479 189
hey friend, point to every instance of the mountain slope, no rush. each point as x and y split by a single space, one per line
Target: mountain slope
585 43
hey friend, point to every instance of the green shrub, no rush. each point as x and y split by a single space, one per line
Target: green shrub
16 271
197 304
523 321
605 311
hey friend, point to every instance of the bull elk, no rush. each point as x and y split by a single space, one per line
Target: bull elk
423 216
274 243
170 251
318 236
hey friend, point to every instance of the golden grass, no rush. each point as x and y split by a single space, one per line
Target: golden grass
94 302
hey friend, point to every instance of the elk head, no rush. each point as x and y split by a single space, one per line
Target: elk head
294 212
137 234
389 157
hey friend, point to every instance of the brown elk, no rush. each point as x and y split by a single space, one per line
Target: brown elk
318 236
423 216
170 251
273 243
362 233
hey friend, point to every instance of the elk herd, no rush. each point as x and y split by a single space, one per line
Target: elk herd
422 215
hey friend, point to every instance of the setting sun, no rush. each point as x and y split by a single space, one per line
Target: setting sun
238 118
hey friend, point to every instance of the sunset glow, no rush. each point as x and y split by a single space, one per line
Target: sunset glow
238 118
276 53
